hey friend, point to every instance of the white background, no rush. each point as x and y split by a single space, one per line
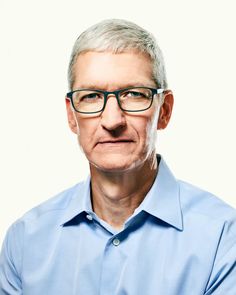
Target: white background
40 156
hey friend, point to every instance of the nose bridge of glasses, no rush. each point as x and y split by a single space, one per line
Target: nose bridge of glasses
108 94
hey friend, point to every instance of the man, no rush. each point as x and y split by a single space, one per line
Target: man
131 228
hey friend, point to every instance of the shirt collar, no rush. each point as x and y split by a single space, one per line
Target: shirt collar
162 201
80 201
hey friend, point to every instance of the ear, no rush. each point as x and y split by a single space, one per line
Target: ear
71 116
166 110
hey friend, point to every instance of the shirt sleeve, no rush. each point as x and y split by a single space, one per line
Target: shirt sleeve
223 275
11 261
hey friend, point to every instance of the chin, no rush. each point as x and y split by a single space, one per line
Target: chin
115 163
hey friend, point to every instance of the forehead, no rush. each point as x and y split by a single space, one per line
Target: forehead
107 70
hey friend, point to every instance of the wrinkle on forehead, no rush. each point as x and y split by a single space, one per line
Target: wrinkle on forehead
107 87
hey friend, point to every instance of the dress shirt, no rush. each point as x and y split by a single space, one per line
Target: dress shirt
181 240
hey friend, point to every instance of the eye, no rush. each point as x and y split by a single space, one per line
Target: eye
135 94
90 97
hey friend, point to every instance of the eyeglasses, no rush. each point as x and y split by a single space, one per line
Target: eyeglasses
132 99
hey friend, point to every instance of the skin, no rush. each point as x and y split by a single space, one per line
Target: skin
119 146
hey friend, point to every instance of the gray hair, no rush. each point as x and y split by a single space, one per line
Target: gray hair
117 36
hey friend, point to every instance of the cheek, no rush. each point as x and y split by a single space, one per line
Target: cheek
146 128
86 130
142 129
152 126
152 131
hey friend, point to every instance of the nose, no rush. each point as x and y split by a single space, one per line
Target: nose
112 117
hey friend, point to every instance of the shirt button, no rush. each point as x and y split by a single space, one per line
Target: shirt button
89 217
116 242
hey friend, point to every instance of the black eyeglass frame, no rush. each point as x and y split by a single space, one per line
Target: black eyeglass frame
116 93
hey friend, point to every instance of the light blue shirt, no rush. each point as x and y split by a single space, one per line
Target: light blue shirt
180 241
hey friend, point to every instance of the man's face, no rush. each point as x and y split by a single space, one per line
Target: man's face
115 140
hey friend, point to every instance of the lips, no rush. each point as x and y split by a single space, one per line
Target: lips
114 141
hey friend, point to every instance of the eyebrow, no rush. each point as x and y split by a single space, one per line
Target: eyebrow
105 87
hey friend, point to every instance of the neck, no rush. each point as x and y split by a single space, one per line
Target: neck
115 196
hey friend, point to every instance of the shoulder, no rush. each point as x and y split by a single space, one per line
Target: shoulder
212 224
52 209
197 199
35 227
205 206
42 220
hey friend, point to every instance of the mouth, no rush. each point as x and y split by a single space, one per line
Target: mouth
114 142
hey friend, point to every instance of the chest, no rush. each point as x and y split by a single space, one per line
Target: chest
87 259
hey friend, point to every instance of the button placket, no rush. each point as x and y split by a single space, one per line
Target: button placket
112 265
